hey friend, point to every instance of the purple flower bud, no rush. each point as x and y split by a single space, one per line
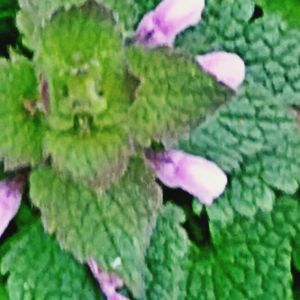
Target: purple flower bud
160 26
10 200
226 67
109 282
196 175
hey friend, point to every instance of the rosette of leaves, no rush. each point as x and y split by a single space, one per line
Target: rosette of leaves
79 115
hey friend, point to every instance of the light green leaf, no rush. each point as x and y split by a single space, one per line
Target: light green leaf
81 60
174 94
21 125
113 226
36 13
97 159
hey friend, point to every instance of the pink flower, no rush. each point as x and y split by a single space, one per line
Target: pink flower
226 67
196 175
160 26
109 282
10 200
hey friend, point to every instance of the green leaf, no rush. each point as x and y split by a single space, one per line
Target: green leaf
174 94
112 226
38 269
97 159
36 13
253 187
249 259
8 10
81 58
145 6
246 194
20 124
296 252
166 257
288 9
256 136
254 122
269 48
3 292
81 61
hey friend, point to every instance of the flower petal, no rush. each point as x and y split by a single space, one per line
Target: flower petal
10 200
194 174
226 67
109 282
160 26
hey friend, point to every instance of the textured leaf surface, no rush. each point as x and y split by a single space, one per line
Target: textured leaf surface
288 9
255 138
253 187
166 257
98 159
21 131
254 122
114 226
80 56
246 195
81 60
38 269
258 132
249 259
269 48
36 13
164 103
174 94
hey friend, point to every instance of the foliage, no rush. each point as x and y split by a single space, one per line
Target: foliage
288 9
38 269
78 116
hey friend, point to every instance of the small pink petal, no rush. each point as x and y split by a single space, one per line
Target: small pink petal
226 67
109 282
160 26
10 200
196 175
